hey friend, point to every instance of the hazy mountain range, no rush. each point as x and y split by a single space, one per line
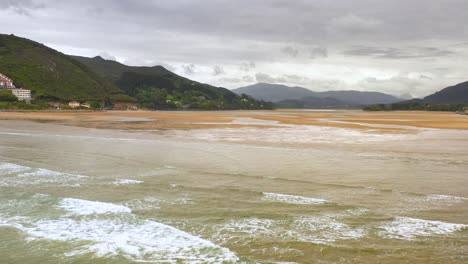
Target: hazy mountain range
285 96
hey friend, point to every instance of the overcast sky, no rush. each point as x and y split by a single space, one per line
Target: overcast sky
392 46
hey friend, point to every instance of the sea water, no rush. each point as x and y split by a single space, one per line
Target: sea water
295 194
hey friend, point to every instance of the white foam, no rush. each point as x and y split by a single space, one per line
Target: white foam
125 234
85 207
126 182
49 173
10 168
43 176
293 134
442 197
410 228
292 199
324 229
25 176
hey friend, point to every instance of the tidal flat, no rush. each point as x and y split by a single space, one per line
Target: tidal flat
285 186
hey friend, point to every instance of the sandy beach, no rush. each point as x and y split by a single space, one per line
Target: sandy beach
285 186
401 121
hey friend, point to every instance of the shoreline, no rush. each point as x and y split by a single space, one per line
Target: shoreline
393 121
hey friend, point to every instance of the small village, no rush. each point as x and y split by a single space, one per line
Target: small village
23 94
20 93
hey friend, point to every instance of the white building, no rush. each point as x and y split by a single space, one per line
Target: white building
74 104
22 94
6 82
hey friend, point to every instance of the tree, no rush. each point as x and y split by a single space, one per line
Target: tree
7 96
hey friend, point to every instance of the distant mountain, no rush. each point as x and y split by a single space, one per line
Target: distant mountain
406 96
360 98
312 102
274 92
282 95
164 86
457 94
51 74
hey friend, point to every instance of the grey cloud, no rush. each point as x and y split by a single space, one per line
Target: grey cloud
247 66
290 51
154 29
96 11
353 24
302 21
218 70
265 78
402 84
22 7
189 69
168 67
318 52
422 76
247 78
107 56
397 53
230 80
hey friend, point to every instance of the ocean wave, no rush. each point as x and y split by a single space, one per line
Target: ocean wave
10 168
18 175
85 207
325 229
126 182
292 199
443 197
124 235
410 228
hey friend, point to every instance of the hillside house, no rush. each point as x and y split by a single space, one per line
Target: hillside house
5 82
74 104
125 106
56 105
86 105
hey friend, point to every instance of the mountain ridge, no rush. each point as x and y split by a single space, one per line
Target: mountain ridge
278 94
50 74
455 94
168 89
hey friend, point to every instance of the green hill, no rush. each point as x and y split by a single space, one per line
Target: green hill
51 74
156 87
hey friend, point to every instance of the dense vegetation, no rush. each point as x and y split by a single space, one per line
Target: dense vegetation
7 96
419 105
21 105
49 74
453 98
157 88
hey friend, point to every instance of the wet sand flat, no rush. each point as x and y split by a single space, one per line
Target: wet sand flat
166 120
